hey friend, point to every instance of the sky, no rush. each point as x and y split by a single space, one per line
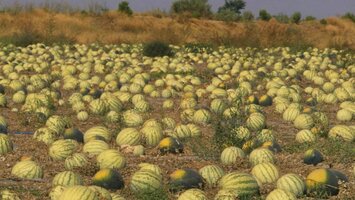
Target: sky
317 8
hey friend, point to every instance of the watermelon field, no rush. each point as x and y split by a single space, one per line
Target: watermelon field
102 122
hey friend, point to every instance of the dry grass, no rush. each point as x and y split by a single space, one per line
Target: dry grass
112 27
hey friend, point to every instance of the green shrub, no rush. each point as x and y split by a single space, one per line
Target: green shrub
323 21
233 5
350 16
310 18
157 48
123 7
296 17
197 8
264 15
227 15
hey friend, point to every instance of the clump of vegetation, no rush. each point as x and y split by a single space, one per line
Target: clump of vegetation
310 18
323 22
264 15
296 17
157 48
230 11
123 7
196 8
350 16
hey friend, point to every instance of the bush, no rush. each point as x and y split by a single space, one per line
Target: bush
323 21
157 48
264 15
296 17
248 16
197 8
233 5
227 15
350 16
310 18
123 7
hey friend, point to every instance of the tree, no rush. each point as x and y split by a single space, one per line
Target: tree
124 8
296 17
264 15
227 15
248 16
233 5
197 8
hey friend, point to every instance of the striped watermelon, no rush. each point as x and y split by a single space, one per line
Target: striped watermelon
195 130
27 169
226 195
290 114
128 136
76 160
67 178
218 106
202 116
343 132
303 121
132 118
265 172
261 155
55 192
292 183
145 181
138 150
78 192
142 106
61 149
154 168
239 183
95 147
113 103
194 194
82 116
182 131
111 158
168 123
5 144
115 196
97 131
279 194
102 193
231 155
151 135
98 107
242 133
305 136
211 174
8 195
46 135
256 121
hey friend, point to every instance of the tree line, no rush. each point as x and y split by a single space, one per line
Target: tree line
231 11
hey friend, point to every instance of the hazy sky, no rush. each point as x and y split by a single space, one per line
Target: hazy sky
318 8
